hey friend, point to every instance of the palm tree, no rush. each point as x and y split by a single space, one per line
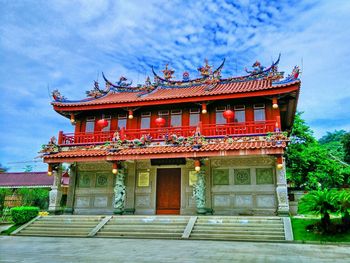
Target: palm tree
319 202
343 205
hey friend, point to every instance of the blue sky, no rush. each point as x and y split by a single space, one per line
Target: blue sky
65 44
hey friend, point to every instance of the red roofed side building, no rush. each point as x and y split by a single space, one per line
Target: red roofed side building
30 180
197 145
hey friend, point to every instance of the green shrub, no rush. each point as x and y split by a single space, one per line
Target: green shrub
35 197
23 214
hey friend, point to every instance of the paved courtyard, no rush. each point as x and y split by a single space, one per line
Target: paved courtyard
46 249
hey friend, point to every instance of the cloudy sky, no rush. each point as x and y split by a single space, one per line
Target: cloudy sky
46 45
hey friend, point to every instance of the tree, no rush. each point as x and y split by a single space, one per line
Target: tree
319 202
346 145
343 205
3 169
309 164
332 142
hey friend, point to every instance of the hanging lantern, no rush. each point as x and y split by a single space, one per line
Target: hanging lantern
204 108
279 163
274 103
197 165
115 168
228 115
49 170
103 123
72 118
131 116
160 122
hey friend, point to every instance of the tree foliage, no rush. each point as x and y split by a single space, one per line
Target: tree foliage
310 165
319 202
3 169
346 144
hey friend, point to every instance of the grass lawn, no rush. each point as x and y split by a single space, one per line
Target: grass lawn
10 230
300 232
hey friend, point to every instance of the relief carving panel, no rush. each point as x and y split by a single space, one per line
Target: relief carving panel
221 200
83 201
244 201
265 201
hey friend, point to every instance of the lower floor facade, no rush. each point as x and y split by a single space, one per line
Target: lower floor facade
236 185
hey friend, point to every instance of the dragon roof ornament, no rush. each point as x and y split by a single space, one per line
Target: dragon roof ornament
209 77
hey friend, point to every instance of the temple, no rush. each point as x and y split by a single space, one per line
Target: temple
204 145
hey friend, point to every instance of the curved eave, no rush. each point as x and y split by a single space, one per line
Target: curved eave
274 91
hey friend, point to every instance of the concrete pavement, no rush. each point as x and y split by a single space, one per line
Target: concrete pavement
47 249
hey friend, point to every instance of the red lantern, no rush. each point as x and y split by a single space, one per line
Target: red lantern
102 123
228 115
160 122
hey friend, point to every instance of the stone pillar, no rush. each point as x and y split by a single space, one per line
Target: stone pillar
120 191
56 193
71 189
282 192
199 193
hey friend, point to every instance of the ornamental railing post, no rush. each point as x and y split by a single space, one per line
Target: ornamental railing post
60 137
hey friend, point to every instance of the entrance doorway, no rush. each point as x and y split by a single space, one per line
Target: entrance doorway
168 191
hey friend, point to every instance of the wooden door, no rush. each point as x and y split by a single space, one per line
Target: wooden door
168 191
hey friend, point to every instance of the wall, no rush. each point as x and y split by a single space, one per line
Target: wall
243 186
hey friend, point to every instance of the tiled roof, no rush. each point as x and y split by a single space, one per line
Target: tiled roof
154 150
34 179
176 93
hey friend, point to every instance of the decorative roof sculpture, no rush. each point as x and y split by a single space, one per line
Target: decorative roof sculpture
209 79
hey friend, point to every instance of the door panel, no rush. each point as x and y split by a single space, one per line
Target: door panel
168 191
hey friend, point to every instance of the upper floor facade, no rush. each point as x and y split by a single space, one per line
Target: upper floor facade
252 105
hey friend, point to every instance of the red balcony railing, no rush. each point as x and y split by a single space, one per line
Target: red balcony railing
211 130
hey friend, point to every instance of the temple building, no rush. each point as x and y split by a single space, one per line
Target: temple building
205 145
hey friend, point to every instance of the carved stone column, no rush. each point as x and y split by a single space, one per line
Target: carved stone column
199 193
282 192
119 192
71 189
56 193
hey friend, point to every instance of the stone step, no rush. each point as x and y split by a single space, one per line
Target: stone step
140 234
226 229
143 230
66 229
227 221
236 236
53 233
133 227
48 234
69 219
149 220
238 232
240 225
41 223
160 224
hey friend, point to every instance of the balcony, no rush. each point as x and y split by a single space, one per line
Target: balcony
210 131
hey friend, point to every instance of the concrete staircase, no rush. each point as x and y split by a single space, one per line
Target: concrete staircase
62 225
239 228
169 227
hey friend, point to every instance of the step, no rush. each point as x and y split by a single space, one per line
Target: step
236 236
54 233
139 234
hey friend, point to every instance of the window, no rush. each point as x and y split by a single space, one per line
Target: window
165 115
259 112
121 121
145 120
219 115
176 118
239 113
90 124
108 127
194 117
